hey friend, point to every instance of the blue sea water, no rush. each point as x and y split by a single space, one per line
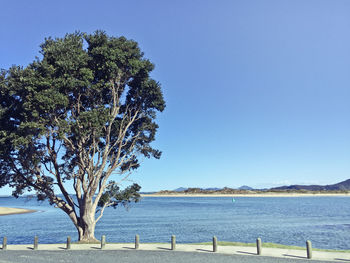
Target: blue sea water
286 220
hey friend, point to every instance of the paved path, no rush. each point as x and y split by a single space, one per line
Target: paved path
132 256
160 253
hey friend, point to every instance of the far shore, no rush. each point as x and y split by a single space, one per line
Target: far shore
11 211
267 194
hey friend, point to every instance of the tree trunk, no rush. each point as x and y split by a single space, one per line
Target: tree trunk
86 225
87 234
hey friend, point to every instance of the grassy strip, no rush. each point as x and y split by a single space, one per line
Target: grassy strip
240 244
267 245
228 243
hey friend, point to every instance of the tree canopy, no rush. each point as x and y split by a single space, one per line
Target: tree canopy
81 114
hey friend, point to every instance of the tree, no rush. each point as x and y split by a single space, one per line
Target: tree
81 115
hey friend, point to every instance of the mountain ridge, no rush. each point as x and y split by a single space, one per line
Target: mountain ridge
344 185
341 186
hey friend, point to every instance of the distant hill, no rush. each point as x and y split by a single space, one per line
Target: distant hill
212 189
345 185
197 190
180 189
245 187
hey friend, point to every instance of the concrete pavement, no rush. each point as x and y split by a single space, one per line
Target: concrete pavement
225 250
132 256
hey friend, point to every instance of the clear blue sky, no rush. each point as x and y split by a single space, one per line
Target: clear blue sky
257 91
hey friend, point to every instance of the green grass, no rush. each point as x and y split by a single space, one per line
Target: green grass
228 243
267 245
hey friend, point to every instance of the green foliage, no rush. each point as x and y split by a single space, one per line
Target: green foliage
113 196
83 111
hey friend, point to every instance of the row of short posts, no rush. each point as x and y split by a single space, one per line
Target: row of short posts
308 248
173 244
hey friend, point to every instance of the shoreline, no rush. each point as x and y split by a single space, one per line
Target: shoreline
268 194
4 211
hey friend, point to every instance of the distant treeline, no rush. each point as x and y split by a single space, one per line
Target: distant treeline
227 190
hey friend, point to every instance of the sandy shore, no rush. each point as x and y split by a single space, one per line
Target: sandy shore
268 194
10 211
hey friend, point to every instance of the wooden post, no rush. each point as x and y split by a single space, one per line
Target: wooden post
137 242
103 242
68 242
4 243
258 246
35 243
309 249
173 242
215 244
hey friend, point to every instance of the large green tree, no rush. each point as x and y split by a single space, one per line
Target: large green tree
81 114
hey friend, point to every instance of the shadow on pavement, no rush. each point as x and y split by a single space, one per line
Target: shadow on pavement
293 256
165 248
95 247
244 252
205 250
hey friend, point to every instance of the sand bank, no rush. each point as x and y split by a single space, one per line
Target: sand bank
267 194
10 211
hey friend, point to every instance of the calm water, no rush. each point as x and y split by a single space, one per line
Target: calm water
323 220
